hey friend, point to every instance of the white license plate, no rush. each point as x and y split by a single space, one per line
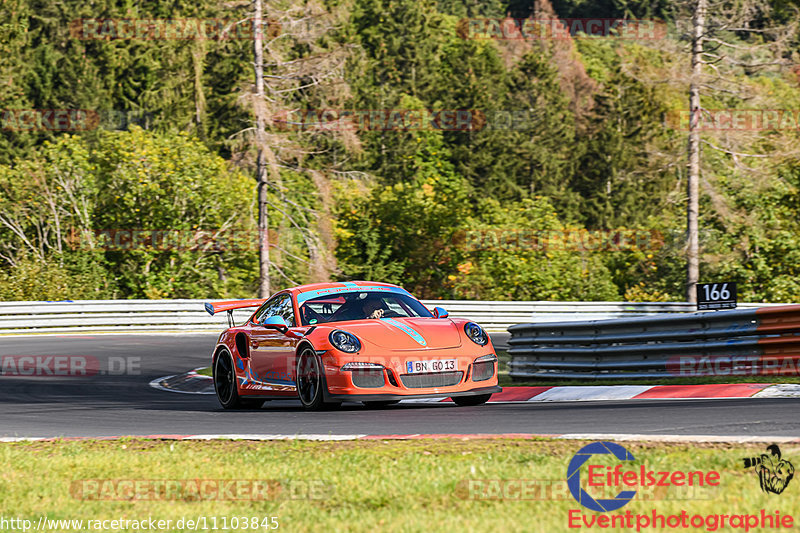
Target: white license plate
437 365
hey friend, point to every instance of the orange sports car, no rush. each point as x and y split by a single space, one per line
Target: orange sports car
360 341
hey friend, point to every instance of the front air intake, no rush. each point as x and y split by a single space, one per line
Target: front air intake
434 379
368 379
482 371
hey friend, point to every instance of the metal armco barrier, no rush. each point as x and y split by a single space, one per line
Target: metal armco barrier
110 315
741 342
170 315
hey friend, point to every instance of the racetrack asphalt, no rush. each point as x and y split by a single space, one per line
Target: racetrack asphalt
107 404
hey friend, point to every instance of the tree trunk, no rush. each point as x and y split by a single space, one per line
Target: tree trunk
198 61
693 189
261 160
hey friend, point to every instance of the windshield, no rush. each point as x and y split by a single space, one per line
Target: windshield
360 306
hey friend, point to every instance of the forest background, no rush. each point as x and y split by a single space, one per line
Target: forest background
413 142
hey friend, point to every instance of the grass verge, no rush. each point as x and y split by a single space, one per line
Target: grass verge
359 485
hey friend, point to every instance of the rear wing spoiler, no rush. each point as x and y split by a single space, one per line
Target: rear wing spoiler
215 307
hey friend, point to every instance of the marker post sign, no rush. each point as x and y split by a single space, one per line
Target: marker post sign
713 296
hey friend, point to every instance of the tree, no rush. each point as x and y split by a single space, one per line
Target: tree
693 181
402 231
197 204
718 28
45 200
137 214
522 251
263 149
304 66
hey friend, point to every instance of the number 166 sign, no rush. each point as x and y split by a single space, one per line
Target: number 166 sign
716 296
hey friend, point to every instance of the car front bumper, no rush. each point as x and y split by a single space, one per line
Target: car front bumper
378 397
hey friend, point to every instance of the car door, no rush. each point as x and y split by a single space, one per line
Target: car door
270 348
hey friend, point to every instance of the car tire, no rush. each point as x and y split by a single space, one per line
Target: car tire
468 401
311 382
225 385
377 404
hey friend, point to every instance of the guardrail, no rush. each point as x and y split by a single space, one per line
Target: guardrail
109 315
170 315
745 342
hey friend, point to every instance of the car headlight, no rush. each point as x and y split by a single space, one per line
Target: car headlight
476 333
344 341
486 358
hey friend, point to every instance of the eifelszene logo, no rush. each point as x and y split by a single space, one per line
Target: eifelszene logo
774 472
603 479
574 477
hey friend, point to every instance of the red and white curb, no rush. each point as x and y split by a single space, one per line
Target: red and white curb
592 393
194 383
621 437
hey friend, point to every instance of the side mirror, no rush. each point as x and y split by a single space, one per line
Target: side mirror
275 322
440 312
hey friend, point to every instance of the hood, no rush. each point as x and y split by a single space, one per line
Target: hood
406 333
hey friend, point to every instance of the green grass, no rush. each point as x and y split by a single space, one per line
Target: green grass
365 485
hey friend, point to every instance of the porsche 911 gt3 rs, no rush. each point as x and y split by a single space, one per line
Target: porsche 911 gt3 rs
360 341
